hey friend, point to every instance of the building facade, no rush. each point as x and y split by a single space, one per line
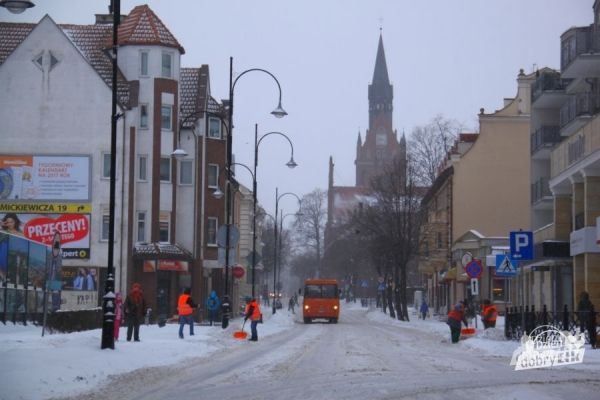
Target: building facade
56 151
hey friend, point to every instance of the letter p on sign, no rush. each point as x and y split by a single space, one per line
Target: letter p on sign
521 245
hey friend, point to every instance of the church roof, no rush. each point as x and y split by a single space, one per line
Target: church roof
346 199
380 74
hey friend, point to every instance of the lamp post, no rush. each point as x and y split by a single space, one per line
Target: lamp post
279 112
108 306
277 198
16 6
290 164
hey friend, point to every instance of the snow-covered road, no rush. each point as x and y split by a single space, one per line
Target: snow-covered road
366 355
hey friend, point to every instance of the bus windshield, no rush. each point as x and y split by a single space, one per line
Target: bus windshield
320 291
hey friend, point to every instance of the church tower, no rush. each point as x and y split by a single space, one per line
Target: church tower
380 146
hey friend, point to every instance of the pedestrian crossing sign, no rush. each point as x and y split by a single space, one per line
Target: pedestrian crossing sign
505 266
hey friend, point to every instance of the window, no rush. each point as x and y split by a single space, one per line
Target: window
185 172
143 116
141 226
144 63
163 231
105 227
106 165
381 139
167 61
142 168
213 176
214 128
440 242
211 231
165 169
500 289
165 118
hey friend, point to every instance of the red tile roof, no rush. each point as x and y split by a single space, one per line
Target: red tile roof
143 27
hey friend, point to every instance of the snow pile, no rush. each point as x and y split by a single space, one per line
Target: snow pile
36 367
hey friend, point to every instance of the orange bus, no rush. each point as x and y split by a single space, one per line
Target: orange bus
321 300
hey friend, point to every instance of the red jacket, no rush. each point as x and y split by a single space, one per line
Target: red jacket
489 313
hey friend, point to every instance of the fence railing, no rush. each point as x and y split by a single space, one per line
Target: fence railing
519 321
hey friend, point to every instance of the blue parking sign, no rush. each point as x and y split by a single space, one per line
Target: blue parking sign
521 245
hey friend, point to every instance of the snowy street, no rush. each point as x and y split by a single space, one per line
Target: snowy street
367 355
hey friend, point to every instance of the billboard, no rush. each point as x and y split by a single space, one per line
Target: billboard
43 178
74 230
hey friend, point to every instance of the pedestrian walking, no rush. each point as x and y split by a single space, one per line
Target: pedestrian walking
291 305
587 317
455 317
253 313
212 306
185 309
135 309
489 313
424 309
118 313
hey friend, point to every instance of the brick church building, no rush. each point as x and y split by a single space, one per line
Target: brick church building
379 148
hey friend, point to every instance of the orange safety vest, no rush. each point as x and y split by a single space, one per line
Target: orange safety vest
490 313
183 308
457 315
255 313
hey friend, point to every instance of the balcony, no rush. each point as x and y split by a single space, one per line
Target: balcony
540 191
578 55
543 140
548 90
576 112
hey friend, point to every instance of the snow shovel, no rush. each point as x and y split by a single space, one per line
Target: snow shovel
241 334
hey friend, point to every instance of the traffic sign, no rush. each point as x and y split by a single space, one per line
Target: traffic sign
521 245
474 269
505 266
257 257
474 287
234 236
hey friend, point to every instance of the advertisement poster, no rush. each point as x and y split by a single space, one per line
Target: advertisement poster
80 278
32 177
74 231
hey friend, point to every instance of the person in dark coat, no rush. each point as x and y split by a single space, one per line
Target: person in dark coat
587 317
225 312
135 309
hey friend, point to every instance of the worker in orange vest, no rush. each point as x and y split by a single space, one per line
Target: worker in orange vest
455 317
488 314
185 308
253 313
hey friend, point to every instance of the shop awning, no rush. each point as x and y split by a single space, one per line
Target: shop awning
160 251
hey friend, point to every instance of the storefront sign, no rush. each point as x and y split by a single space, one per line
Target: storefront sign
166 265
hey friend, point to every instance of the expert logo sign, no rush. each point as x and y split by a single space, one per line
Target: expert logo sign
547 346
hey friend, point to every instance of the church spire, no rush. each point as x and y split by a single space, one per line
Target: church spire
380 74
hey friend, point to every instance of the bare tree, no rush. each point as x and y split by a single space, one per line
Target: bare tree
429 145
391 225
311 223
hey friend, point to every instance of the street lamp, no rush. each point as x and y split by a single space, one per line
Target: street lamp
277 198
108 305
16 6
279 112
290 164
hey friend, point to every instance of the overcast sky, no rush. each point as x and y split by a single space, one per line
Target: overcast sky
443 57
